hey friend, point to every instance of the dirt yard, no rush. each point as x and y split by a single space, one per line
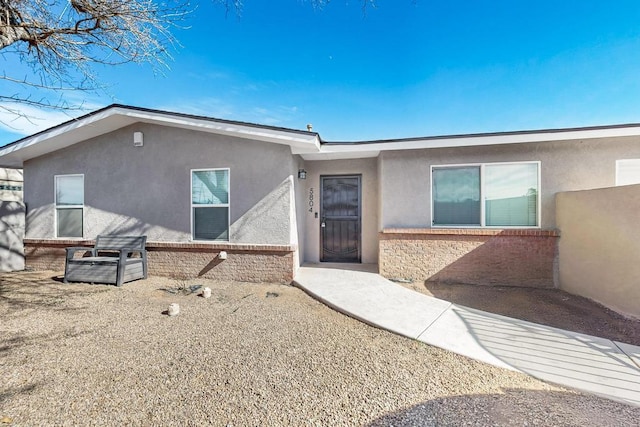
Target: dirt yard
252 354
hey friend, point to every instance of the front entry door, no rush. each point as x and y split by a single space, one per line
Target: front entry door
340 218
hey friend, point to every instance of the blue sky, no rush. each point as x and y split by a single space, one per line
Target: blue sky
404 69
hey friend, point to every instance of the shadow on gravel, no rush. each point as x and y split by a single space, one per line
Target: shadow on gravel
13 392
19 341
32 290
513 407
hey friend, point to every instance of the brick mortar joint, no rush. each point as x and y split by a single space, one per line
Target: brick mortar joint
167 246
389 233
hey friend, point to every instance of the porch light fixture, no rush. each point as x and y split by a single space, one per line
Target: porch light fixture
302 174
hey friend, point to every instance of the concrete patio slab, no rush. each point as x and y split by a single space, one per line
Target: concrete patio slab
584 362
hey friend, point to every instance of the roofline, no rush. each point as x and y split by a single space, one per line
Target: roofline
307 144
485 134
116 116
363 149
157 111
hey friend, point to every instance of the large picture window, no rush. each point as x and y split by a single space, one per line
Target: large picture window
210 204
491 195
69 200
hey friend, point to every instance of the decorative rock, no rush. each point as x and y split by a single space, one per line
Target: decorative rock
206 292
174 309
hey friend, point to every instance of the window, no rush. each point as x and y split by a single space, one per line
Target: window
210 204
627 171
69 205
491 195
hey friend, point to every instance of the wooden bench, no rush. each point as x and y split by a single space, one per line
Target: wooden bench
110 261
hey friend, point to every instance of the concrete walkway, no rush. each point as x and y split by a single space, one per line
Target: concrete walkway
595 365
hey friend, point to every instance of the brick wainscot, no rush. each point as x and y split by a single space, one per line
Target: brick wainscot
512 257
245 262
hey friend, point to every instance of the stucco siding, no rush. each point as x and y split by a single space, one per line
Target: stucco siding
11 236
368 169
405 187
600 246
146 190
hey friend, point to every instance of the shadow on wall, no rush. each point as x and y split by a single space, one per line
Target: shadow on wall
513 406
497 260
12 222
268 221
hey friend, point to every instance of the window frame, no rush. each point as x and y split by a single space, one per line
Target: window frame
219 205
56 206
483 192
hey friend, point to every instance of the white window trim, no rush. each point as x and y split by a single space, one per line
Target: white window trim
220 205
483 192
56 207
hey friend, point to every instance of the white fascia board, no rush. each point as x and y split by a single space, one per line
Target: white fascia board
372 149
60 137
299 141
118 117
340 155
491 139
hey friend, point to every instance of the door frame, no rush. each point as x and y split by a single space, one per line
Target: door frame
343 175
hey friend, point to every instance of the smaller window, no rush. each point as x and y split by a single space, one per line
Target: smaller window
69 200
627 171
210 204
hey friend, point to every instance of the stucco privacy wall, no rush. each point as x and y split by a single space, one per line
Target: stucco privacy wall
12 216
368 168
600 246
147 190
482 256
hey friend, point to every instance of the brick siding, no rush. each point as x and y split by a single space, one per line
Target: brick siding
525 257
246 263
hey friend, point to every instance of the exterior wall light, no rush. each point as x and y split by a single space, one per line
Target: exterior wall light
138 139
302 174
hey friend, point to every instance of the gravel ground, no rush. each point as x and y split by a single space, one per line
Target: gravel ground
253 354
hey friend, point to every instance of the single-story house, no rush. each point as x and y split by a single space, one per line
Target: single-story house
477 208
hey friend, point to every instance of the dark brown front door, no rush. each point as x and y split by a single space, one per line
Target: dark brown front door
340 218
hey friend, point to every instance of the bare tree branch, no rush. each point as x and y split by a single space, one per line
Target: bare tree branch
61 40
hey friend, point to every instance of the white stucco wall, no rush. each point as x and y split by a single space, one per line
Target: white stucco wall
405 187
368 169
146 190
